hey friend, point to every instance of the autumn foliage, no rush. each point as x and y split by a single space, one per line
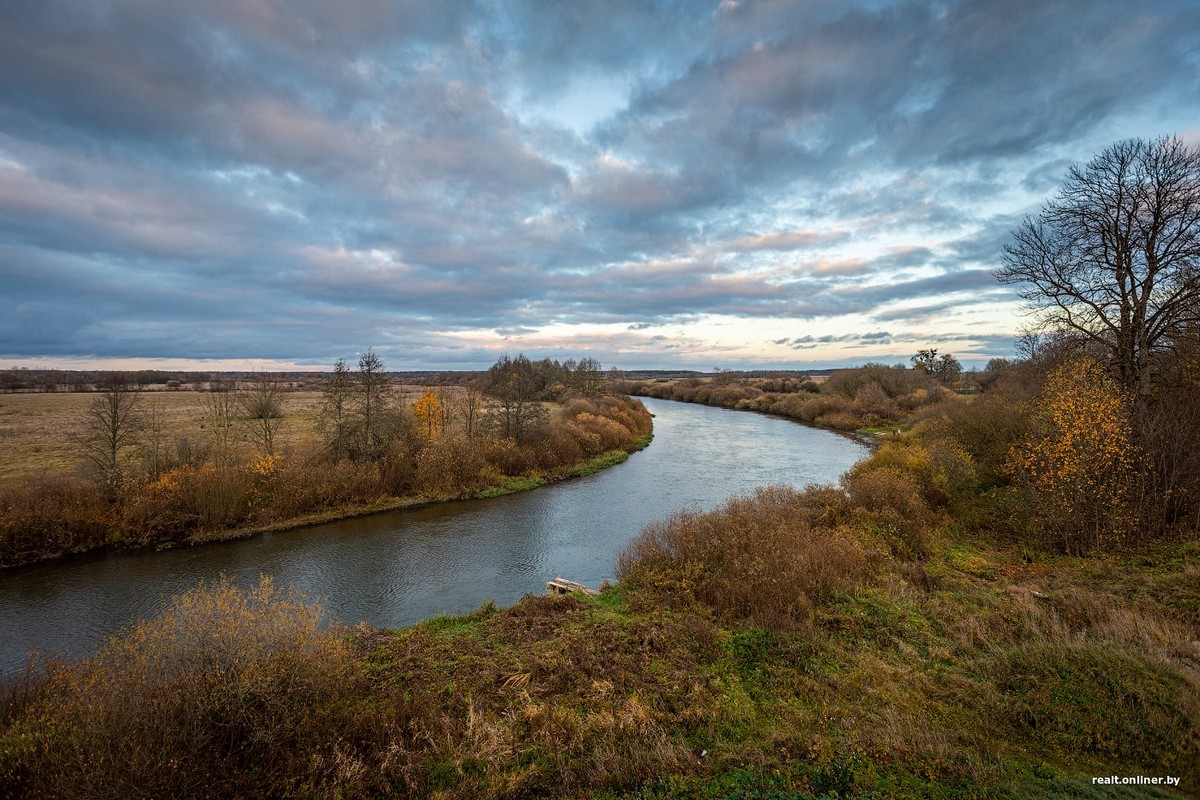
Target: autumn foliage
1077 461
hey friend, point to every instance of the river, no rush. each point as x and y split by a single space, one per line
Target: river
396 568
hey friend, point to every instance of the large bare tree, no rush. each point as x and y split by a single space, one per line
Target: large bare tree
1115 256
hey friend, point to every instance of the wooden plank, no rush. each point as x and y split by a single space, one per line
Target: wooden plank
561 585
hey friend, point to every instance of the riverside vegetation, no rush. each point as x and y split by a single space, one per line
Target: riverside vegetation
923 629
156 469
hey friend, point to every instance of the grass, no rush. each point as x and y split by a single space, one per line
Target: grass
36 428
971 673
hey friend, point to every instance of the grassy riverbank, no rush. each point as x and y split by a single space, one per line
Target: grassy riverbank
839 668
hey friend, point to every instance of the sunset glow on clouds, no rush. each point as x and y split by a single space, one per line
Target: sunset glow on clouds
677 185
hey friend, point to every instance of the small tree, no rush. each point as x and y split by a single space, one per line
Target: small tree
1077 461
588 377
259 399
373 406
111 424
945 368
468 409
335 420
152 443
429 409
220 420
514 383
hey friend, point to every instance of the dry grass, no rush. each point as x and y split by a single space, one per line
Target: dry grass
36 429
766 559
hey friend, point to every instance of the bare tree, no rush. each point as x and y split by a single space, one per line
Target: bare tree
588 377
359 418
152 443
261 405
513 382
220 420
468 408
1115 255
111 424
373 405
616 381
336 418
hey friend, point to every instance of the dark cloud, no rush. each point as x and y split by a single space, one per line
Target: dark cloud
294 181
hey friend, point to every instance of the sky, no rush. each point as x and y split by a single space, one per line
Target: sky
277 184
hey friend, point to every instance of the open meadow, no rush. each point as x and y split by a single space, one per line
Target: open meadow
40 431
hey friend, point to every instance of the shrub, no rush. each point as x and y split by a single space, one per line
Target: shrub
940 469
987 427
50 516
764 560
888 503
1077 459
848 420
226 693
451 466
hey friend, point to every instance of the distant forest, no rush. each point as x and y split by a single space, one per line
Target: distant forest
23 379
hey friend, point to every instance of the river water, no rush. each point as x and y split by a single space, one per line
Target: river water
396 568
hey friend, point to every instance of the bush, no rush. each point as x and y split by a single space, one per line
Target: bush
51 516
987 427
450 466
1077 459
941 470
226 693
764 560
888 503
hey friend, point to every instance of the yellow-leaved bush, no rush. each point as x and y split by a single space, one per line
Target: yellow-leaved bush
1076 462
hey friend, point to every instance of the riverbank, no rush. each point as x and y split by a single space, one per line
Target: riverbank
840 642
221 498
906 633
872 401
507 486
394 569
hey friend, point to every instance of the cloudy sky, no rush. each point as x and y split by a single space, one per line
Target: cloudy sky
268 183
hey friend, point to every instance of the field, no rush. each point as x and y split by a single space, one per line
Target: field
38 430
